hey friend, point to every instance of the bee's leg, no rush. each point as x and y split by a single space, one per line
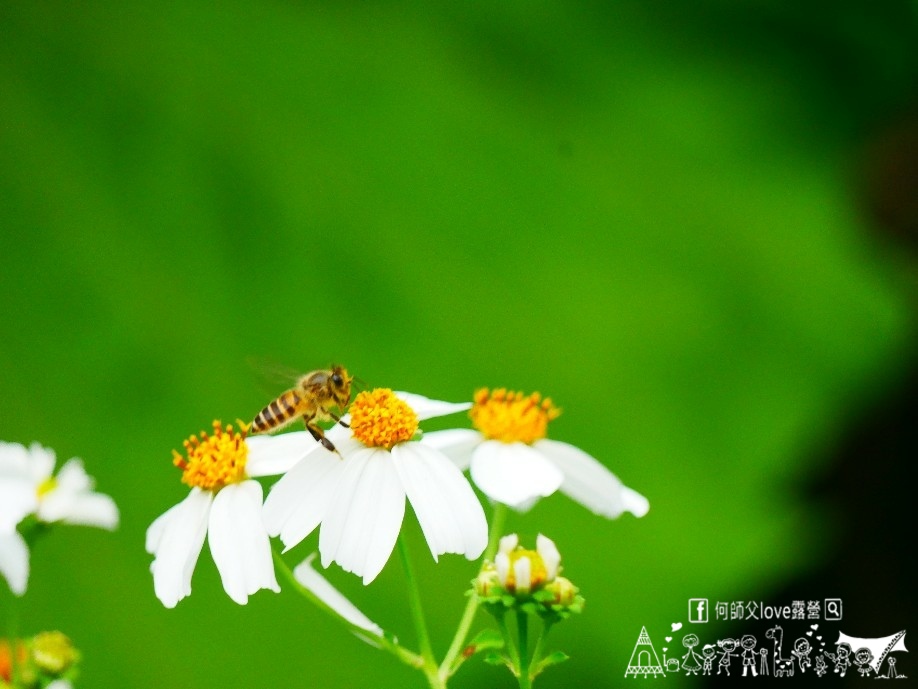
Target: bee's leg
319 435
337 419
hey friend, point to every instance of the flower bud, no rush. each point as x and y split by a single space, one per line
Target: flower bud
563 592
53 652
487 583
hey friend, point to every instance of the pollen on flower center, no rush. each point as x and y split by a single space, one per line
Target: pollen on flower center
512 417
213 460
538 573
380 419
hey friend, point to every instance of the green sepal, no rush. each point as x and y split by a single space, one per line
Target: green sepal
557 612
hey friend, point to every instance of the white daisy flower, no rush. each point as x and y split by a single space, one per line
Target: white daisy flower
29 487
225 505
512 461
358 496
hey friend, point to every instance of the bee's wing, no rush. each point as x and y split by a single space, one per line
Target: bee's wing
272 377
358 385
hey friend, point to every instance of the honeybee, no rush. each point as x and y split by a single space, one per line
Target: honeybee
312 399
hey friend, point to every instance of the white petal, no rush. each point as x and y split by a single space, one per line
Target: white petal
175 539
508 543
300 499
306 574
60 684
277 454
446 506
590 483
343 439
456 443
361 527
93 509
73 478
41 463
502 565
526 505
156 530
14 561
522 575
513 473
426 408
548 551
239 543
634 502
18 499
14 460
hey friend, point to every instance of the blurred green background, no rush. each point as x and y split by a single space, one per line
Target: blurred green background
668 219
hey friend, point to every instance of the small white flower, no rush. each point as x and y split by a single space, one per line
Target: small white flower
28 487
307 575
512 461
528 576
224 505
358 496
519 570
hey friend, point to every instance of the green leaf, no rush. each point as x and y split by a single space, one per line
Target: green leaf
495 658
552 659
485 640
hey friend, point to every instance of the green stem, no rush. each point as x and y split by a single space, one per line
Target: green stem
522 634
12 630
420 623
449 665
497 527
509 645
540 642
468 616
403 654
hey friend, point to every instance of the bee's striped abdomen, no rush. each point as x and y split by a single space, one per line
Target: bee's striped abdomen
276 414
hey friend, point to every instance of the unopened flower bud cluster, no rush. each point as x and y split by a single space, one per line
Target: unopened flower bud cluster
527 579
47 659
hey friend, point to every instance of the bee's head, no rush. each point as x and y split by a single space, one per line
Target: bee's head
341 385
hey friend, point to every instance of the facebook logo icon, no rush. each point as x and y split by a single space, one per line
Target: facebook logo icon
698 610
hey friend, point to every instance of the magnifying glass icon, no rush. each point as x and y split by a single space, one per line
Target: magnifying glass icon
833 609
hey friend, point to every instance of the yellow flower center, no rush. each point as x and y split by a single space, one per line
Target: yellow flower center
46 487
214 460
380 419
512 417
537 571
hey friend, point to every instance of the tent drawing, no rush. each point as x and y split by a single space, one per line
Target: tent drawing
644 660
879 647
